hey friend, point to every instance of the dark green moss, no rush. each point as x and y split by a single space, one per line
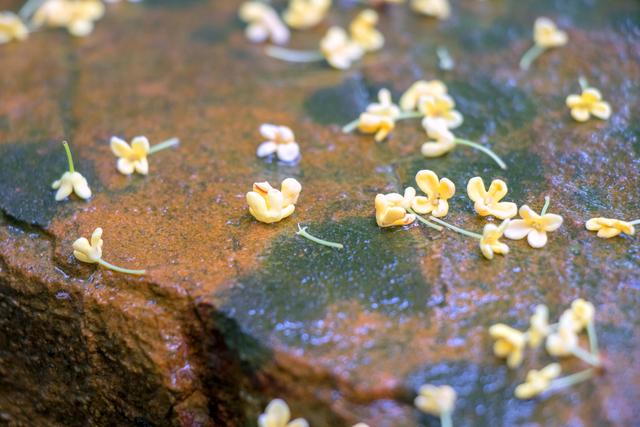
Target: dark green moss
298 279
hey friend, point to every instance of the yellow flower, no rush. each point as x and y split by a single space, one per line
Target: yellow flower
71 182
338 49
582 314
564 341
532 226
509 343
278 414
538 381
488 202
76 16
437 108
363 31
131 158
281 141
263 23
435 400
437 191
391 209
437 8
89 252
588 103
12 28
546 34
538 326
444 140
490 242
409 99
269 205
303 14
608 227
379 118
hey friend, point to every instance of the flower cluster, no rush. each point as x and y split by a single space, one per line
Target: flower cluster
270 205
380 117
546 35
561 340
263 23
338 49
77 17
588 103
609 227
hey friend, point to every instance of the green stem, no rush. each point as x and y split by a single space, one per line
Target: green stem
69 157
547 201
530 56
584 84
166 144
571 379
634 222
424 221
351 126
593 338
445 419
485 150
445 61
29 8
302 231
591 359
294 55
120 269
456 229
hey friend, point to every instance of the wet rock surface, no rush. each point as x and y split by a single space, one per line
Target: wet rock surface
234 313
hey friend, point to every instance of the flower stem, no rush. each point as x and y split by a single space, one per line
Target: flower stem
424 221
593 338
585 356
485 150
445 419
120 269
166 144
571 379
547 201
29 8
634 222
294 55
456 229
351 126
445 61
69 157
302 231
584 84
530 56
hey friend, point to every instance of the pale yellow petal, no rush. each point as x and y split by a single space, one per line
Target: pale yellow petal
476 189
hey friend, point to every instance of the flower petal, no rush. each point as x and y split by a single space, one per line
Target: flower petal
278 412
269 131
266 148
142 166
140 146
537 239
436 149
608 232
497 190
581 114
601 110
428 182
573 101
476 189
421 205
517 229
64 191
119 147
81 187
551 222
288 152
442 209
125 166
503 210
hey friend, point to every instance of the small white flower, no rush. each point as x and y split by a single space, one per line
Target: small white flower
281 141
89 252
131 158
71 182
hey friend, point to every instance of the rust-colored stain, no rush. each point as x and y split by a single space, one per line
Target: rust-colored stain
233 312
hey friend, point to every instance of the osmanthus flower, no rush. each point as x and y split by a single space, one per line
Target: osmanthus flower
133 158
77 17
609 227
437 8
438 401
488 202
12 28
533 226
339 50
539 327
443 140
546 35
71 181
509 344
281 141
263 23
277 414
303 14
538 381
582 314
490 243
438 192
409 99
270 205
391 208
438 108
363 31
588 103
380 117
91 253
